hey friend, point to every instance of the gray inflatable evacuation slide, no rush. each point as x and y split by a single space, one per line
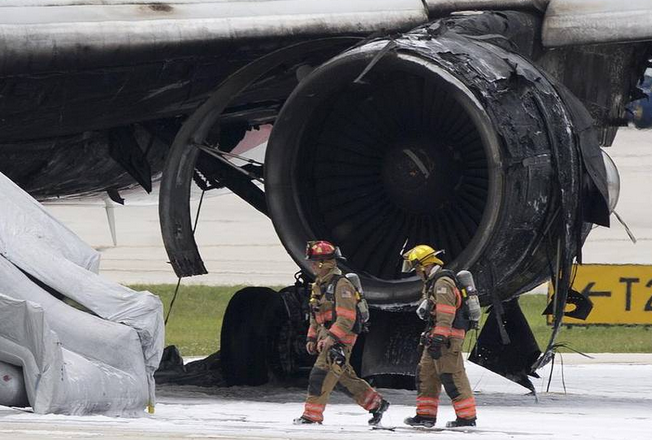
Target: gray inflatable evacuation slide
57 358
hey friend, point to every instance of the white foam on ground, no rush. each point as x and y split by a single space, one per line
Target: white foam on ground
602 401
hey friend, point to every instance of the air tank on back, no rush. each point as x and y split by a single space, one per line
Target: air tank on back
465 278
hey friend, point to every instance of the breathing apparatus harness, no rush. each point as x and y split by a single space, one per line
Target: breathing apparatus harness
461 320
468 312
361 324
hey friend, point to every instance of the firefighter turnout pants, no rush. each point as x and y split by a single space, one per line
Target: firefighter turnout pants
324 377
448 371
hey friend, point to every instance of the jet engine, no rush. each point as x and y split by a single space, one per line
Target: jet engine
449 135
435 137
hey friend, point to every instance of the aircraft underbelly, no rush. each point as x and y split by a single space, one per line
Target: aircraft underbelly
60 104
80 165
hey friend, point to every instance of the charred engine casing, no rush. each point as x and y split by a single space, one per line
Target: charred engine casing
435 137
448 135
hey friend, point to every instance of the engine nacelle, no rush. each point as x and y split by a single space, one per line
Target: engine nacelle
436 138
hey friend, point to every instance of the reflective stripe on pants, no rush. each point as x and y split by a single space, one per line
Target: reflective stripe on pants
323 378
449 371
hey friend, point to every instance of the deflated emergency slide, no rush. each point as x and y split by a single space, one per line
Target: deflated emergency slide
61 359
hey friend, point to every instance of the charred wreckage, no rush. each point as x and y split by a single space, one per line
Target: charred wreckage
394 123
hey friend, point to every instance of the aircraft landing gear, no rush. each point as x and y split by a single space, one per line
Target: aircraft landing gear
263 336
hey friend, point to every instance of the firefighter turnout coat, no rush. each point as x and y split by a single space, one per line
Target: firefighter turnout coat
333 313
448 370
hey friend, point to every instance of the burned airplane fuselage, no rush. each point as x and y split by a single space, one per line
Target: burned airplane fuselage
479 133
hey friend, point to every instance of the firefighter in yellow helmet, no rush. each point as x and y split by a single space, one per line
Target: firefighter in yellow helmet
334 328
441 362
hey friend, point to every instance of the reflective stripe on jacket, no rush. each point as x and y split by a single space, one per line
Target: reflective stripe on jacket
447 300
333 318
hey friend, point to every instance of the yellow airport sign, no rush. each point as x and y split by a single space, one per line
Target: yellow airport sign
621 294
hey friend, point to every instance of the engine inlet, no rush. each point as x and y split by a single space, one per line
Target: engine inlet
427 146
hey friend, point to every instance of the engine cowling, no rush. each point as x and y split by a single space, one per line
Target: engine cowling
435 138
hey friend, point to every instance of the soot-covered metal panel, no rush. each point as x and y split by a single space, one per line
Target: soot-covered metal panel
575 22
82 165
603 77
65 36
439 8
513 360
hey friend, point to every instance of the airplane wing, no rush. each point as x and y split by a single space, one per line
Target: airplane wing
42 35
68 34
575 22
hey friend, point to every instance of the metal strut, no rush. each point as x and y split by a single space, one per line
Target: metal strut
220 155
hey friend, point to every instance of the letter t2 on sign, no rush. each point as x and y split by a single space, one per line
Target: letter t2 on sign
621 293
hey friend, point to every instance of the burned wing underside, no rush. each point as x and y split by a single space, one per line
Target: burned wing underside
83 133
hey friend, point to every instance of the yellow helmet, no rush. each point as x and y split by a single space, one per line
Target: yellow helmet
422 255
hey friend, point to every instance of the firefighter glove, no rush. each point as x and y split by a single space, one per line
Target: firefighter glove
311 347
325 344
434 349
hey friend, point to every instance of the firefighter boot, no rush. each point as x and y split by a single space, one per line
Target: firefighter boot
304 421
377 414
426 422
460 422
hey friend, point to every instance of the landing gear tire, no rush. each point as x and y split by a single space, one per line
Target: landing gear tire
251 323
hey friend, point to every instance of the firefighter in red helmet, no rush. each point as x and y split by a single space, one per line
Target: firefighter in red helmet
334 327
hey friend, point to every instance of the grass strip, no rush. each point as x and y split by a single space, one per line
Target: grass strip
196 321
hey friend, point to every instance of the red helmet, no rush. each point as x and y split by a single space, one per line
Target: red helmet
322 250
